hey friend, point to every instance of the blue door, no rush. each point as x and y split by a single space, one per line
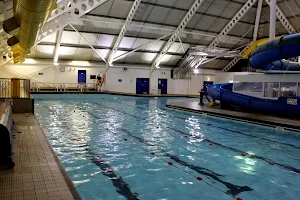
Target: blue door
142 86
81 76
163 86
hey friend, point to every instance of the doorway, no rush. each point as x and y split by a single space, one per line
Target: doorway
81 76
163 86
142 86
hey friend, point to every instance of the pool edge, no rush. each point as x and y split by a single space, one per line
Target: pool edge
62 170
238 118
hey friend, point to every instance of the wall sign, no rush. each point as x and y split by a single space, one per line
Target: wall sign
62 69
93 76
119 80
291 101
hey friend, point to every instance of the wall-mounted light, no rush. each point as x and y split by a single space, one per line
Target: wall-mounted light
55 63
80 63
29 61
208 78
196 71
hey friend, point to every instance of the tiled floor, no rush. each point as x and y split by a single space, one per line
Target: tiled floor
255 117
37 173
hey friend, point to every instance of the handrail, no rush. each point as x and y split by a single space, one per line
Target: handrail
38 86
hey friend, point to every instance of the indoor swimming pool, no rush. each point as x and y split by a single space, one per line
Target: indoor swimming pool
117 147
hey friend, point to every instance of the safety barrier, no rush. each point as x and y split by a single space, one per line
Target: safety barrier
62 87
14 88
6 131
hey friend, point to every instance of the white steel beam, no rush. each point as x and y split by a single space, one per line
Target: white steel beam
284 21
88 43
140 47
57 45
233 22
129 18
174 36
165 29
272 28
67 12
290 29
183 50
235 60
257 19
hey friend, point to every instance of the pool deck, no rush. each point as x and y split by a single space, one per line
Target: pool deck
257 118
38 174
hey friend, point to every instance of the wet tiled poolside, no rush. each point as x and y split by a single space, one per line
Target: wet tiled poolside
38 174
239 115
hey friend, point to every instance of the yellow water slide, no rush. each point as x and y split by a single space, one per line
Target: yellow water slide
256 44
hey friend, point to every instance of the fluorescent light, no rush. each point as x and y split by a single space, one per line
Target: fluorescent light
29 61
196 71
55 58
157 65
80 63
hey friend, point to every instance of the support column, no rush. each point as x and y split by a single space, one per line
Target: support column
257 19
272 20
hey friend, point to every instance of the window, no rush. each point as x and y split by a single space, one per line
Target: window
248 86
271 89
288 89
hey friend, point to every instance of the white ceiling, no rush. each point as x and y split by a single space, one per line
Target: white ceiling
102 25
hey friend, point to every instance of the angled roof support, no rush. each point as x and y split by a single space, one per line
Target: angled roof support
174 37
290 29
126 24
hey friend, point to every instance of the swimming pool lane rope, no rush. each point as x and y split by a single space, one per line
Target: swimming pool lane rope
239 132
117 181
242 153
222 128
233 188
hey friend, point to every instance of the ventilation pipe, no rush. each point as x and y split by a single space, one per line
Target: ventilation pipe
29 17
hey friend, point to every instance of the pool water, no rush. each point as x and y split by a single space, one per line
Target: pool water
116 147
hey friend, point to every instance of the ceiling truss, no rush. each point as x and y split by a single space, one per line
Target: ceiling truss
288 26
128 20
174 36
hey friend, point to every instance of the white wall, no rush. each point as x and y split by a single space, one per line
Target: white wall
52 74
129 77
226 77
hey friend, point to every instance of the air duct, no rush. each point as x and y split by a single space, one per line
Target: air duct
30 16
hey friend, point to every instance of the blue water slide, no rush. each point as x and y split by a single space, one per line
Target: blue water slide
280 106
268 56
